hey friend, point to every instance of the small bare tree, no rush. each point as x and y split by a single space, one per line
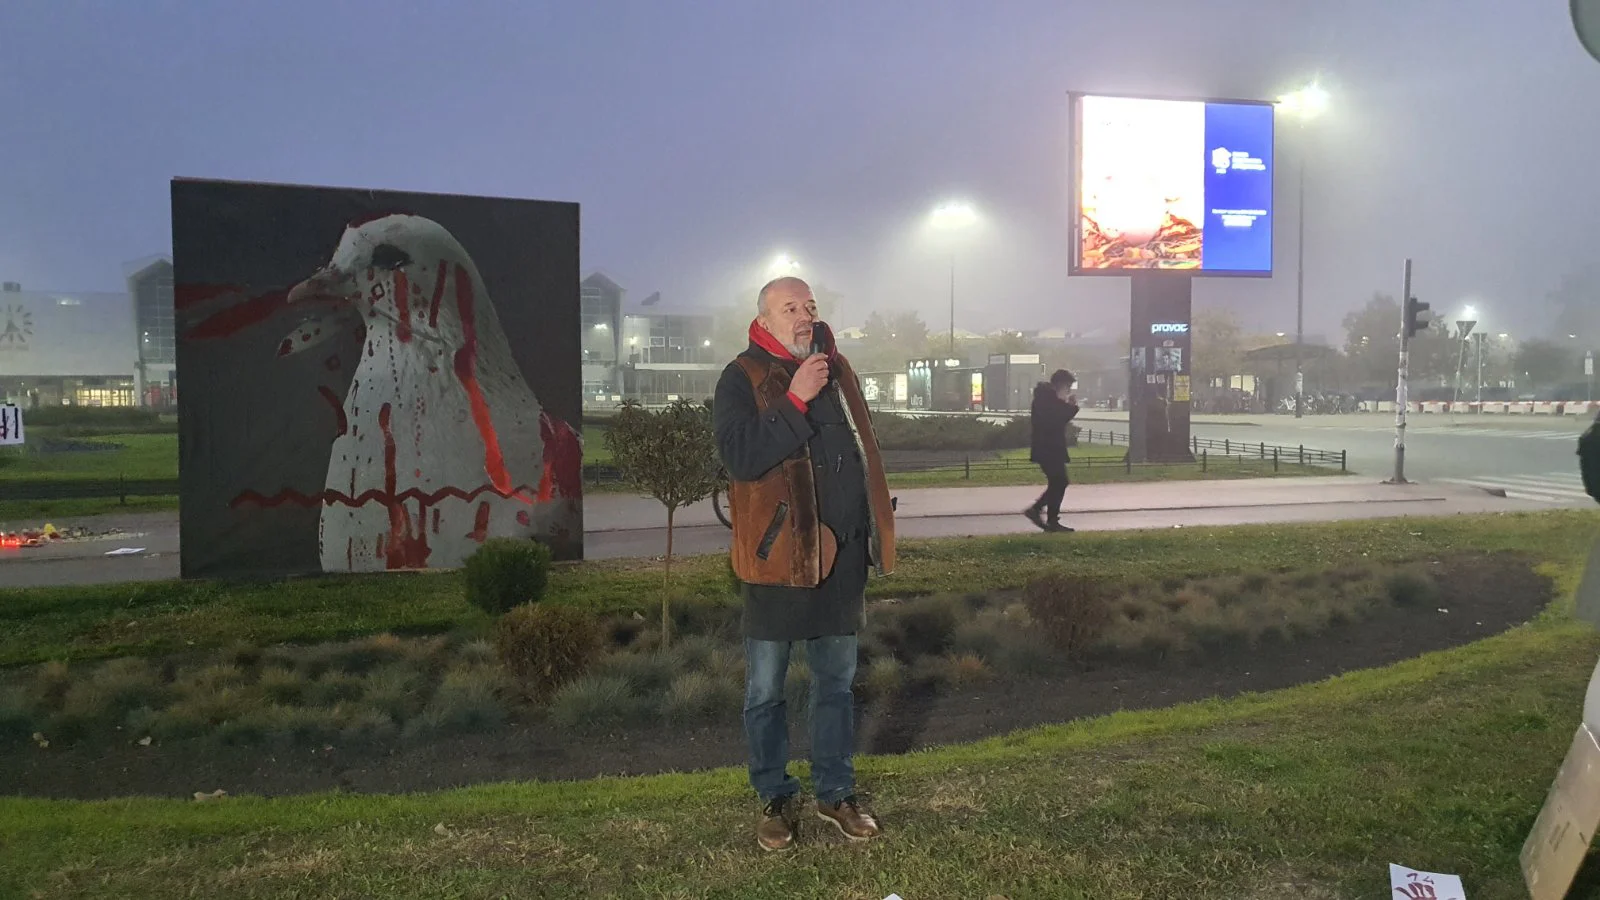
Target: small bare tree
670 454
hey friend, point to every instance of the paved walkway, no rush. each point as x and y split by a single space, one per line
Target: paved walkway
619 526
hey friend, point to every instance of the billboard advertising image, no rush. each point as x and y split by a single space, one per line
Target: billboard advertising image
373 381
1171 185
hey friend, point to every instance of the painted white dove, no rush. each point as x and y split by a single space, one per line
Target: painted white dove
442 443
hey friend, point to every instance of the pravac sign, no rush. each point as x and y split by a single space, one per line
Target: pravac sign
1170 328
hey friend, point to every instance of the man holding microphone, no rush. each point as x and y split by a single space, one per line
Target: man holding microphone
811 514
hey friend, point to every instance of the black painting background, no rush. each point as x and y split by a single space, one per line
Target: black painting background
249 420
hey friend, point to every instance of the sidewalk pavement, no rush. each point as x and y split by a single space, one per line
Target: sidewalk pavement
623 526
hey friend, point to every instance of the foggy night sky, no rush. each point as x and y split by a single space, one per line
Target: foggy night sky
703 137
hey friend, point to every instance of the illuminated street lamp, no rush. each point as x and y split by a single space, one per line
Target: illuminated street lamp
781 265
1304 104
953 216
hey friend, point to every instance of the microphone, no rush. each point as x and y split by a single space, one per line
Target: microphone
822 342
821 338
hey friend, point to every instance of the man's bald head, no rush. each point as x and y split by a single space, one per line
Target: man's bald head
787 285
786 309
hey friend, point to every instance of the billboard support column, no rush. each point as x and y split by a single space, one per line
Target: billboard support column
1159 356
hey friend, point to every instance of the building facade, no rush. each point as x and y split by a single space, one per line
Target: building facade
671 355
156 374
643 352
600 301
60 348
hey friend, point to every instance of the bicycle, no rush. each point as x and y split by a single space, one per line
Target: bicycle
719 500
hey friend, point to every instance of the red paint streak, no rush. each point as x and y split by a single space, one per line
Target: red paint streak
438 294
563 460
287 347
187 295
480 523
466 365
331 363
338 408
435 521
525 493
240 316
523 518
402 306
402 550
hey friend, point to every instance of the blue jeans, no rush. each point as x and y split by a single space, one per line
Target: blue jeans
766 716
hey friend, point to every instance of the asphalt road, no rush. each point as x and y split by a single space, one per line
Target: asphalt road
1529 457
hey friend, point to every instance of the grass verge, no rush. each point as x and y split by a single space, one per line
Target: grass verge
97 621
1440 763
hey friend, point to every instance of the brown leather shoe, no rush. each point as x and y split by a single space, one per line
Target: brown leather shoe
854 822
778 825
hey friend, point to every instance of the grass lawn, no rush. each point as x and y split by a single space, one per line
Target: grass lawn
140 456
1439 763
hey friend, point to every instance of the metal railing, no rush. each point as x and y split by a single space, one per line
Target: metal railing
1209 454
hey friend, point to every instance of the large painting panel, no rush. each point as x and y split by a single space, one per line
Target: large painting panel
372 380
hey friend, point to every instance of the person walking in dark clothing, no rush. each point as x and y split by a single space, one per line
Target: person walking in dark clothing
1054 405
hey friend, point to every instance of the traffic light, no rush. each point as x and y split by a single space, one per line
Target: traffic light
1414 320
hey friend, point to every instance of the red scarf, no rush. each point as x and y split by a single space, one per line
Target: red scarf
769 342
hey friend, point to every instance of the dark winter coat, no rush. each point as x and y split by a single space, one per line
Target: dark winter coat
1050 417
810 506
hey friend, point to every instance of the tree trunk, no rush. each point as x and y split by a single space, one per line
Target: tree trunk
666 613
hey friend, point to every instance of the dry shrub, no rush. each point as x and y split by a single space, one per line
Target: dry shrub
982 637
1411 587
1151 639
283 685
597 702
335 687
646 672
115 689
697 649
367 653
695 697
51 682
200 712
467 699
1071 611
884 676
547 646
396 691
923 626
967 669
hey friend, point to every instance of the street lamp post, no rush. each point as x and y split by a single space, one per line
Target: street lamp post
1305 104
952 304
951 216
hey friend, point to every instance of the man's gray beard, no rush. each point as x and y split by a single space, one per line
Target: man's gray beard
800 351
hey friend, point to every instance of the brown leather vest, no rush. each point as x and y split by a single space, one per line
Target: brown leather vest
778 538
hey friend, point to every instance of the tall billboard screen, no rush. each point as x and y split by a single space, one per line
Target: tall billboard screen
1181 185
